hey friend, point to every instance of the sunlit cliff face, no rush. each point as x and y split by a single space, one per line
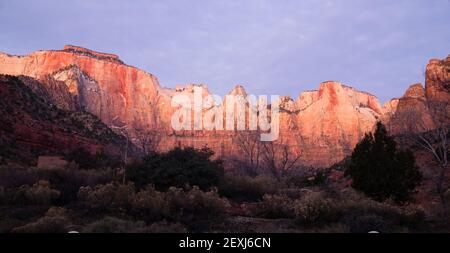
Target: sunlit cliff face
322 126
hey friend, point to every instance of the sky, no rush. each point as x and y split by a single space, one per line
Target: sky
277 47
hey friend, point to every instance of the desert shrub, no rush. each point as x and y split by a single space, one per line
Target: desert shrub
56 211
245 188
66 181
149 205
274 207
55 220
381 171
69 181
315 209
166 227
412 215
361 214
114 225
44 225
39 194
111 197
394 215
195 208
179 167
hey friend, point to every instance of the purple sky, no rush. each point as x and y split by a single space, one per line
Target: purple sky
271 47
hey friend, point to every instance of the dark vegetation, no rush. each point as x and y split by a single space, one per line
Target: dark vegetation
381 171
185 190
188 190
178 167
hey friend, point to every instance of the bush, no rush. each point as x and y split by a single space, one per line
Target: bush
56 211
245 188
382 172
195 208
275 207
112 198
149 205
315 209
69 181
66 181
44 225
180 167
38 194
410 216
115 225
54 221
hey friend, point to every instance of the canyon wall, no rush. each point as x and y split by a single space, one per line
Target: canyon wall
320 126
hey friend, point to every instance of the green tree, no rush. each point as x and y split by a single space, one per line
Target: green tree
381 171
179 167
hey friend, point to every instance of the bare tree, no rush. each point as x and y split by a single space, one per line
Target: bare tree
123 130
279 158
250 145
432 138
149 137
436 142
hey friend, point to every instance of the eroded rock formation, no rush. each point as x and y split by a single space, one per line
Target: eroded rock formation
322 126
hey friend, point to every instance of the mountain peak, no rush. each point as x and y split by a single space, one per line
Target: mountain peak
91 53
238 90
415 91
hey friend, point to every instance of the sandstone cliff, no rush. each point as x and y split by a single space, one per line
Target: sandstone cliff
422 109
321 126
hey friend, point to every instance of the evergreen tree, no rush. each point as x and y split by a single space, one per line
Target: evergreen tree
180 167
381 171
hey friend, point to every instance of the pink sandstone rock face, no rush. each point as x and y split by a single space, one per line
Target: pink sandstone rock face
332 121
411 112
437 89
422 109
322 126
120 92
438 80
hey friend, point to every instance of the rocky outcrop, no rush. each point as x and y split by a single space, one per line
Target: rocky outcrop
321 126
437 89
437 78
333 119
32 125
119 92
411 112
87 52
422 109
